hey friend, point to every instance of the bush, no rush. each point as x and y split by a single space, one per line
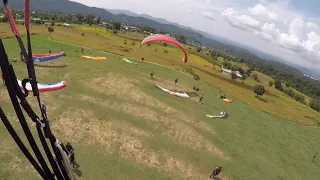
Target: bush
258 90
165 51
52 23
198 49
288 84
270 83
315 104
125 42
255 77
300 98
165 44
133 43
248 72
241 70
50 29
290 92
277 85
149 44
82 34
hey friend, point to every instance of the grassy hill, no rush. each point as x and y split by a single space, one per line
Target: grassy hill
123 127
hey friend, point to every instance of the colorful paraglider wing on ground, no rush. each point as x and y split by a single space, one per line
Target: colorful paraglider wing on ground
227 100
184 95
44 87
165 38
46 57
128 61
95 58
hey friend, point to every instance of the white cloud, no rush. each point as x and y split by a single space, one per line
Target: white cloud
296 27
208 15
308 49
262 12
243 22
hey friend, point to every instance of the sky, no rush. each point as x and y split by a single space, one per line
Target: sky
289 29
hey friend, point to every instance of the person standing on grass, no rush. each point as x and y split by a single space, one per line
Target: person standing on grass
14 59
216 171
151 74
314 157
201 98
176 81
82 50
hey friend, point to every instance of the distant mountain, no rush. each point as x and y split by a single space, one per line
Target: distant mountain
121 11
133 14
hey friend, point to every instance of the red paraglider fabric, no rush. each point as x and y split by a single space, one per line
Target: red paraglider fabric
161 37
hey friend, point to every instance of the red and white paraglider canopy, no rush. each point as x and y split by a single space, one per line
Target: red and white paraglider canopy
165 38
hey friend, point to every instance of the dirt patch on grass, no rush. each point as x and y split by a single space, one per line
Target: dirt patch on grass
205 126
136 150
83 125
185 135
129 108
47 99
3 94
177 130
9 150
126 88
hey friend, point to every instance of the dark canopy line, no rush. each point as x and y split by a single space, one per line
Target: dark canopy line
42 125
14 28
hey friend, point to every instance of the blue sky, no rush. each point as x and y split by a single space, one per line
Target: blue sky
289 29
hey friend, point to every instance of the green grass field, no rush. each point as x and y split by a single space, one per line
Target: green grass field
123 127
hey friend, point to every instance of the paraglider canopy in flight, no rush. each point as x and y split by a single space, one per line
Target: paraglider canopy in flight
165 38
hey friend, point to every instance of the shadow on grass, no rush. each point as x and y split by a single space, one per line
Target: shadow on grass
47 66
192 94
316 163
261 99
216 178
77 170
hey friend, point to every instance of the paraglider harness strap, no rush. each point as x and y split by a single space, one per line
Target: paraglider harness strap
15 91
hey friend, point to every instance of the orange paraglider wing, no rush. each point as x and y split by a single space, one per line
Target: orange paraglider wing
165 38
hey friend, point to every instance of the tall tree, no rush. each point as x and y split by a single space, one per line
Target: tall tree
98 20
258 90
182 39
271 83
79 18
277 84
116 25
315 104
90 19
